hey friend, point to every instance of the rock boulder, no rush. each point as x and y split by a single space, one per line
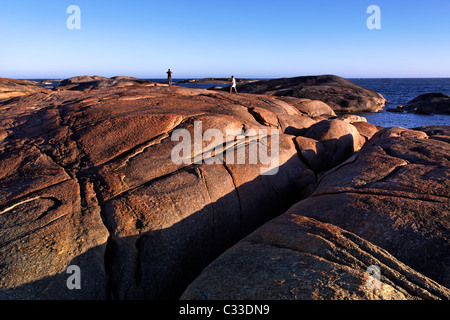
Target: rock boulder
10 88
298 258
429 103
339 139
340 94
83 83
385 208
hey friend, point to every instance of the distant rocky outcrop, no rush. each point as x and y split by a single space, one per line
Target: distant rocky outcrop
340 94
10 88
83 83
386 209
429 103
217 80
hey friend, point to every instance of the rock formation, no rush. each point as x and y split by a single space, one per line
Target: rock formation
299 258
84 83
87 179
387 206
10 88
429 103
338 138
340 94
217 80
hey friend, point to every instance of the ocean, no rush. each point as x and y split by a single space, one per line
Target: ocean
397 91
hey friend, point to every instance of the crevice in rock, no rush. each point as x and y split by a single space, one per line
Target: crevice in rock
28 195
110 252
347 162
258 118
56 201
138 273
388 175
85 176
237 195
111 246
128 155
280 127
362 255
302 158
209 200
139 150
132 189
411 284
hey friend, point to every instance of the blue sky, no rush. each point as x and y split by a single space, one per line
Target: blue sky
246 38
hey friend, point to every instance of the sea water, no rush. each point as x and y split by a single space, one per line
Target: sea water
398 92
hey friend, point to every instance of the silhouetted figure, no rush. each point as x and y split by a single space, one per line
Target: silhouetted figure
233 85
169 77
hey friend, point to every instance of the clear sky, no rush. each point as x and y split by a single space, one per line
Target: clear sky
245 38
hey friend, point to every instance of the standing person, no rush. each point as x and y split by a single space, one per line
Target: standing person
169 77
233 85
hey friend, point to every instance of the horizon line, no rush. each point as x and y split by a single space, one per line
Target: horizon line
243 77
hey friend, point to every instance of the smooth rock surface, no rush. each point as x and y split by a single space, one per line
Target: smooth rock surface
429 103
340 94
87 179
86 83
298 258
339 139
10 88
386 206
394 193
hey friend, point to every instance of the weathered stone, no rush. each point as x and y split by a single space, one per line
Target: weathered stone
10 88
340 94
387 206
338 138
313 108
394 193
87 179
429 103
312 152
96 82
298 258
352 118
92 173
365 129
